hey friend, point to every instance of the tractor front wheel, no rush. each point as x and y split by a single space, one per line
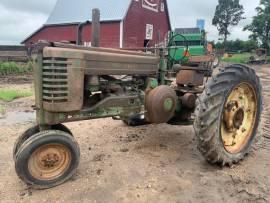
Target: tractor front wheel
47 159
32 131
228 115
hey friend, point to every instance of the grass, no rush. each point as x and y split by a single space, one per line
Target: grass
9 94
7 68
238 58
2 110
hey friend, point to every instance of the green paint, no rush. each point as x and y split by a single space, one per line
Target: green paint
168 104
38 77
61 116
178 53
98 113
190 37
94 88
153 83
196 45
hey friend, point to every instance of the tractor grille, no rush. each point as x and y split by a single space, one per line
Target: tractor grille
55 80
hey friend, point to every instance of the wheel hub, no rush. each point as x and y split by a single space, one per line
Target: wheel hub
239 118
233 116
49 162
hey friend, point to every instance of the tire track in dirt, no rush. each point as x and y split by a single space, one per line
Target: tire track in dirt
263 141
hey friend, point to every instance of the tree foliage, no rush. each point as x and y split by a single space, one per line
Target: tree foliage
238 45
260 26
228 13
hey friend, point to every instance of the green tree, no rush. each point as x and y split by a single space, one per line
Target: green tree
238 45
228 13
251 45
260 26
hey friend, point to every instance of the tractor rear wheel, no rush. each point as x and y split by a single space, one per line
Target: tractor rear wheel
47 159
228 115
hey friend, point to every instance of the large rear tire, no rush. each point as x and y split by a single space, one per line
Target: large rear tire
228 114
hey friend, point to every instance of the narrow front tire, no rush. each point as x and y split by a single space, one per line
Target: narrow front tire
47 159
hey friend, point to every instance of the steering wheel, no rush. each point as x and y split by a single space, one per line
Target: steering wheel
170 44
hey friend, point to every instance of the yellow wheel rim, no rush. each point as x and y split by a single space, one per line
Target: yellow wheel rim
239 118
49 162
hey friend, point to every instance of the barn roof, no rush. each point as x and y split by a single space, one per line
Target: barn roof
80 10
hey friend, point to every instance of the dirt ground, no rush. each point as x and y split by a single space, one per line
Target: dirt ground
156 163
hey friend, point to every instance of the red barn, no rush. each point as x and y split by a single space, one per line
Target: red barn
124 23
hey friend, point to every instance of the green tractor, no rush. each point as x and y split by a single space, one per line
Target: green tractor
75 83
189 43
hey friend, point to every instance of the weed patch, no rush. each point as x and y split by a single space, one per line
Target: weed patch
238 58
9 95
2 110
7 68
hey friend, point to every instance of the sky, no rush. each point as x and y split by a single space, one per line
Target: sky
19 19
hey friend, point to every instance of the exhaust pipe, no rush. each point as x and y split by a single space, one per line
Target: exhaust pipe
79 32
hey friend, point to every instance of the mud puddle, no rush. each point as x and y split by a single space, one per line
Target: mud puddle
17 117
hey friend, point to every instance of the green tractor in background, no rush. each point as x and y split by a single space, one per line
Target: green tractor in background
189 47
